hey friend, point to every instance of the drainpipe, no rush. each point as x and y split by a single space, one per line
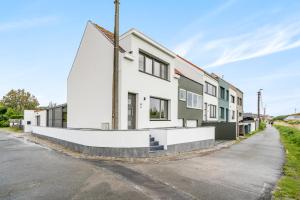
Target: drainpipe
115 94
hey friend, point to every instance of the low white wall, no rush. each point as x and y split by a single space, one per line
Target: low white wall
253 126
185 135
182 135
160 135
115 139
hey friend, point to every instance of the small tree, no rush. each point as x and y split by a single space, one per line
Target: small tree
20 100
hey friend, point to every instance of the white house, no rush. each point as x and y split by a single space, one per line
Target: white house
210 98
147 84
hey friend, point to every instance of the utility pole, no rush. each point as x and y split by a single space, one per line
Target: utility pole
115 94
258 105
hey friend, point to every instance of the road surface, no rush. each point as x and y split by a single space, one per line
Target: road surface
248 170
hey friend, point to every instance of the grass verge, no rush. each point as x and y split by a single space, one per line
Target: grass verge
288 187
11 129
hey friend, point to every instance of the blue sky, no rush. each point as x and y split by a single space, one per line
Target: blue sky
253 44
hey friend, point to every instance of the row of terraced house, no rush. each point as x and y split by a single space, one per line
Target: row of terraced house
157 90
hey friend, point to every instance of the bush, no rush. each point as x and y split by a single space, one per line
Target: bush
4 123
262 126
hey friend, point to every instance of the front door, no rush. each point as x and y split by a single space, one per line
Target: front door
131 111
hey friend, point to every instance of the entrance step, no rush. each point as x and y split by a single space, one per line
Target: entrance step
154 145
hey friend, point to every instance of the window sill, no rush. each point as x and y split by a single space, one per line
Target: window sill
154 76
159 120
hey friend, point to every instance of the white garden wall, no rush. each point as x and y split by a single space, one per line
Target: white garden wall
95 138
173 136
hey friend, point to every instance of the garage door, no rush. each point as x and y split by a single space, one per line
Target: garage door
191 123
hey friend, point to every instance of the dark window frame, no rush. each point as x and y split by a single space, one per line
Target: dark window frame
167 109
162 64
213 86
222 92
214 109
222 112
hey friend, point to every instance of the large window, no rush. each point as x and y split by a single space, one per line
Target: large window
222 93
210 89
182 94
212 111
158 109
194 100
153 66
222 113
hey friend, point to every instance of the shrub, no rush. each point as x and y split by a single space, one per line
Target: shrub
4 123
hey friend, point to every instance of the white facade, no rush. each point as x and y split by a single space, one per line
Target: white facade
34 118
232 105
211 103
90 82
89 90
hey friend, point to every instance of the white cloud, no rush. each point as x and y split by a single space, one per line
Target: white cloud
183 48
263 41
26 23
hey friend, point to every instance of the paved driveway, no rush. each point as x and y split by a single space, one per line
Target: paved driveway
247 170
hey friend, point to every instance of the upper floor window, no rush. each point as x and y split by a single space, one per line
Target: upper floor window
153 66
194 100
232 99
182 94
210 89
227 95
222 93
240 101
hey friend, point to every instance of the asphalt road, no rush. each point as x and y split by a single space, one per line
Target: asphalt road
248 170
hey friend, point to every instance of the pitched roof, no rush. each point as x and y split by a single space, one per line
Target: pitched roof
177 72
195 66
108 34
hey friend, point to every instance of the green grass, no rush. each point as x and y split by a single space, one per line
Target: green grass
288 186
11 129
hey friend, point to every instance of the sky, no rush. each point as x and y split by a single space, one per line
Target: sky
253 44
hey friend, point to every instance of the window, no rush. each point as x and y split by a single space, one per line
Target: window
232 98
227 95
212 111
156 69
222 93
182 94
240 102
210 89
194 100
28 123
233 114
240 114
222 113
153 66
141 62
158 109
148 68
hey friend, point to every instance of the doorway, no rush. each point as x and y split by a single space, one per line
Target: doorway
131 111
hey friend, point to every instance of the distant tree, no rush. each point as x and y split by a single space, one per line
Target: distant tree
19 100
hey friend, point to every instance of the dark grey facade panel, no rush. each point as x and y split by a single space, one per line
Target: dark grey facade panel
223 130
55 116
184 112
